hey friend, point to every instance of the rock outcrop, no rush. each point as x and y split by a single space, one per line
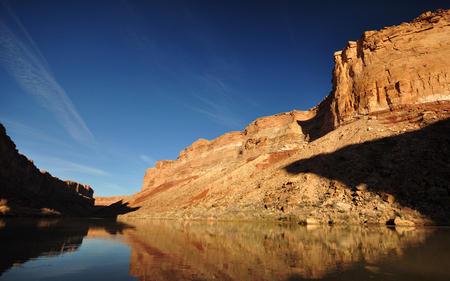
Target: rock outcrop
280 133
396 66
375 149
27 191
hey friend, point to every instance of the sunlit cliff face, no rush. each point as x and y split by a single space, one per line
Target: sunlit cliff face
374 150
399 65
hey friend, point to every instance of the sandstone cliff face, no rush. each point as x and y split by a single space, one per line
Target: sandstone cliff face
400 65
26 190
348 160
281 132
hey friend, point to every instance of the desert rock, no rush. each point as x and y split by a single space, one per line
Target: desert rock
396 66
370 151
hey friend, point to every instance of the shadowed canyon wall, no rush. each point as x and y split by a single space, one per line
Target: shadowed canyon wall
27 191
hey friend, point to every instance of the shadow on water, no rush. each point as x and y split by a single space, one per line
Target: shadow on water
23 239
413 167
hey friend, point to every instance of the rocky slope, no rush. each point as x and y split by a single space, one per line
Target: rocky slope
27 191
375 150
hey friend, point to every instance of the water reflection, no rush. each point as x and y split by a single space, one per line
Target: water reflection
22 240
255 251
189 250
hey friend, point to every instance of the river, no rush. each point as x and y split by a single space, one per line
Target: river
139 249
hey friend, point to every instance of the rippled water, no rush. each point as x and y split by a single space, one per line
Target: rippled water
74 249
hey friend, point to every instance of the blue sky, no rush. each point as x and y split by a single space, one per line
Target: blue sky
97 91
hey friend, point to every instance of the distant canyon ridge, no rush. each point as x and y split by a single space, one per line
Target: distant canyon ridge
376 150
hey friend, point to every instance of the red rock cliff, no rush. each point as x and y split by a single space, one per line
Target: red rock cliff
348 160
400 65
280 132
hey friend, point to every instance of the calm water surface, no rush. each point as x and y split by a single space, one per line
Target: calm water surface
76 249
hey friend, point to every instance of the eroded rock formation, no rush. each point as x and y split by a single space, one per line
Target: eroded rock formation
265 135
26 190
396 66
374 150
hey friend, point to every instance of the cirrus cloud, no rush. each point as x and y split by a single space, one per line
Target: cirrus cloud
24 61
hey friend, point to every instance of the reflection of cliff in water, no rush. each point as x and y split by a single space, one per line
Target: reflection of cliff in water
168 250
24 239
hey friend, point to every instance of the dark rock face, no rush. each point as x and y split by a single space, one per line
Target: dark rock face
27 191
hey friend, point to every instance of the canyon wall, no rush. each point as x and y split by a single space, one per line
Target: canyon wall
347 160
396 66
26 190
268 134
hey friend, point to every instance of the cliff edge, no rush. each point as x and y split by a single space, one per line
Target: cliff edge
396 66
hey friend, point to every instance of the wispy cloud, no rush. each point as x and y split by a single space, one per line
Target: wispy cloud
27 65
220 112
219 87
31 133
115 187
148 159
285 13
217 99
74 167
207 78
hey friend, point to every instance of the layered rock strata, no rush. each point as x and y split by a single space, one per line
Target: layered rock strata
396 66
265 135
106 201
348 160
26 190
